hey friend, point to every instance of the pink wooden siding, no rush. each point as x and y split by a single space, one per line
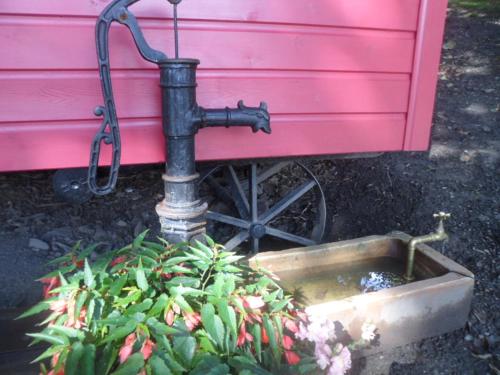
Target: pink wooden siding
339 76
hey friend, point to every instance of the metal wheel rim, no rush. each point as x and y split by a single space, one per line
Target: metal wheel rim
248 208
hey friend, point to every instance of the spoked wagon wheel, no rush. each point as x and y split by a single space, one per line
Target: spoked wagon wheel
283 200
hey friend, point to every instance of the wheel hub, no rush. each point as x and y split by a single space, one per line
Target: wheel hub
257 230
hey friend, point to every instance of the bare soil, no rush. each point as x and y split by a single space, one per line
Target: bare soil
460 175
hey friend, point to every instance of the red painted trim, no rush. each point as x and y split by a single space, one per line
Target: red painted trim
425 74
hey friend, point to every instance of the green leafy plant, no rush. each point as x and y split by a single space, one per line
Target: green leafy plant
157 308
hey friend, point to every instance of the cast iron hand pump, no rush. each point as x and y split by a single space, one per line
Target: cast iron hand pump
182 214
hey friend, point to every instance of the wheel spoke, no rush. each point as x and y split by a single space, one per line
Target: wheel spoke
289 237
236 240
286 201
253 192
255 245
271 171
220 191
239 198
226 219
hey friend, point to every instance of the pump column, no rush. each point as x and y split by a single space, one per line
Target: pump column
182 214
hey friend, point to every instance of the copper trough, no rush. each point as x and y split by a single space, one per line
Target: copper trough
438 302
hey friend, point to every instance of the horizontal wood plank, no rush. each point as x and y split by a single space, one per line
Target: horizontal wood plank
37 96
56 43
66 144
381 14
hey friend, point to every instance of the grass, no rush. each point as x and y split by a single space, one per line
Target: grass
483 6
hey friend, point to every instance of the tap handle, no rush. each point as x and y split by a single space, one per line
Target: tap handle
442 216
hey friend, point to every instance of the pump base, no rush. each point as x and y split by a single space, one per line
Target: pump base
182 224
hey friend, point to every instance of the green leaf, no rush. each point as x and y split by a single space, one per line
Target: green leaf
257 340
74 356
185 347
120 332
159 305
279 325
210 241
48 353
213 324
268 326
132 297
139 239
210 365
206 345
174 366
158 366
140 277
132 365
107 359
117 285
90 311
208 251
88 250
140 307
175 260
200 254
66 331
229 285
228 316
160 328
183 304
38 308
88 360
80 301
55 340
280 305
242 363
88 276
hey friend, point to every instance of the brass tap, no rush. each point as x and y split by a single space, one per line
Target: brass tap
438 235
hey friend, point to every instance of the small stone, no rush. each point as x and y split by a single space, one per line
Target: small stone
465 157
129 190
450 45
469 338
121 224
489 91
85 229
37 244
486 129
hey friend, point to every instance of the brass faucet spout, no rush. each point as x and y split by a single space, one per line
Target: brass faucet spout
439 235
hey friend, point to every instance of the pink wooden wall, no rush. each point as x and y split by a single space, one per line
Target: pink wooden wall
340 76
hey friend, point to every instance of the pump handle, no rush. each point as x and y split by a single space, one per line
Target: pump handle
109 132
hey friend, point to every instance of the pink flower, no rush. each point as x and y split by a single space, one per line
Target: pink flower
320 330
341 362
59 306
192 320
322 353
291 325
292 358
265 337
253 302
49 284
244 336
287 342
126 349
147 349
302 333
118 260
169 317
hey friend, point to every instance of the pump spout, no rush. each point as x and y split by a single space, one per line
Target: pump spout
257 118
